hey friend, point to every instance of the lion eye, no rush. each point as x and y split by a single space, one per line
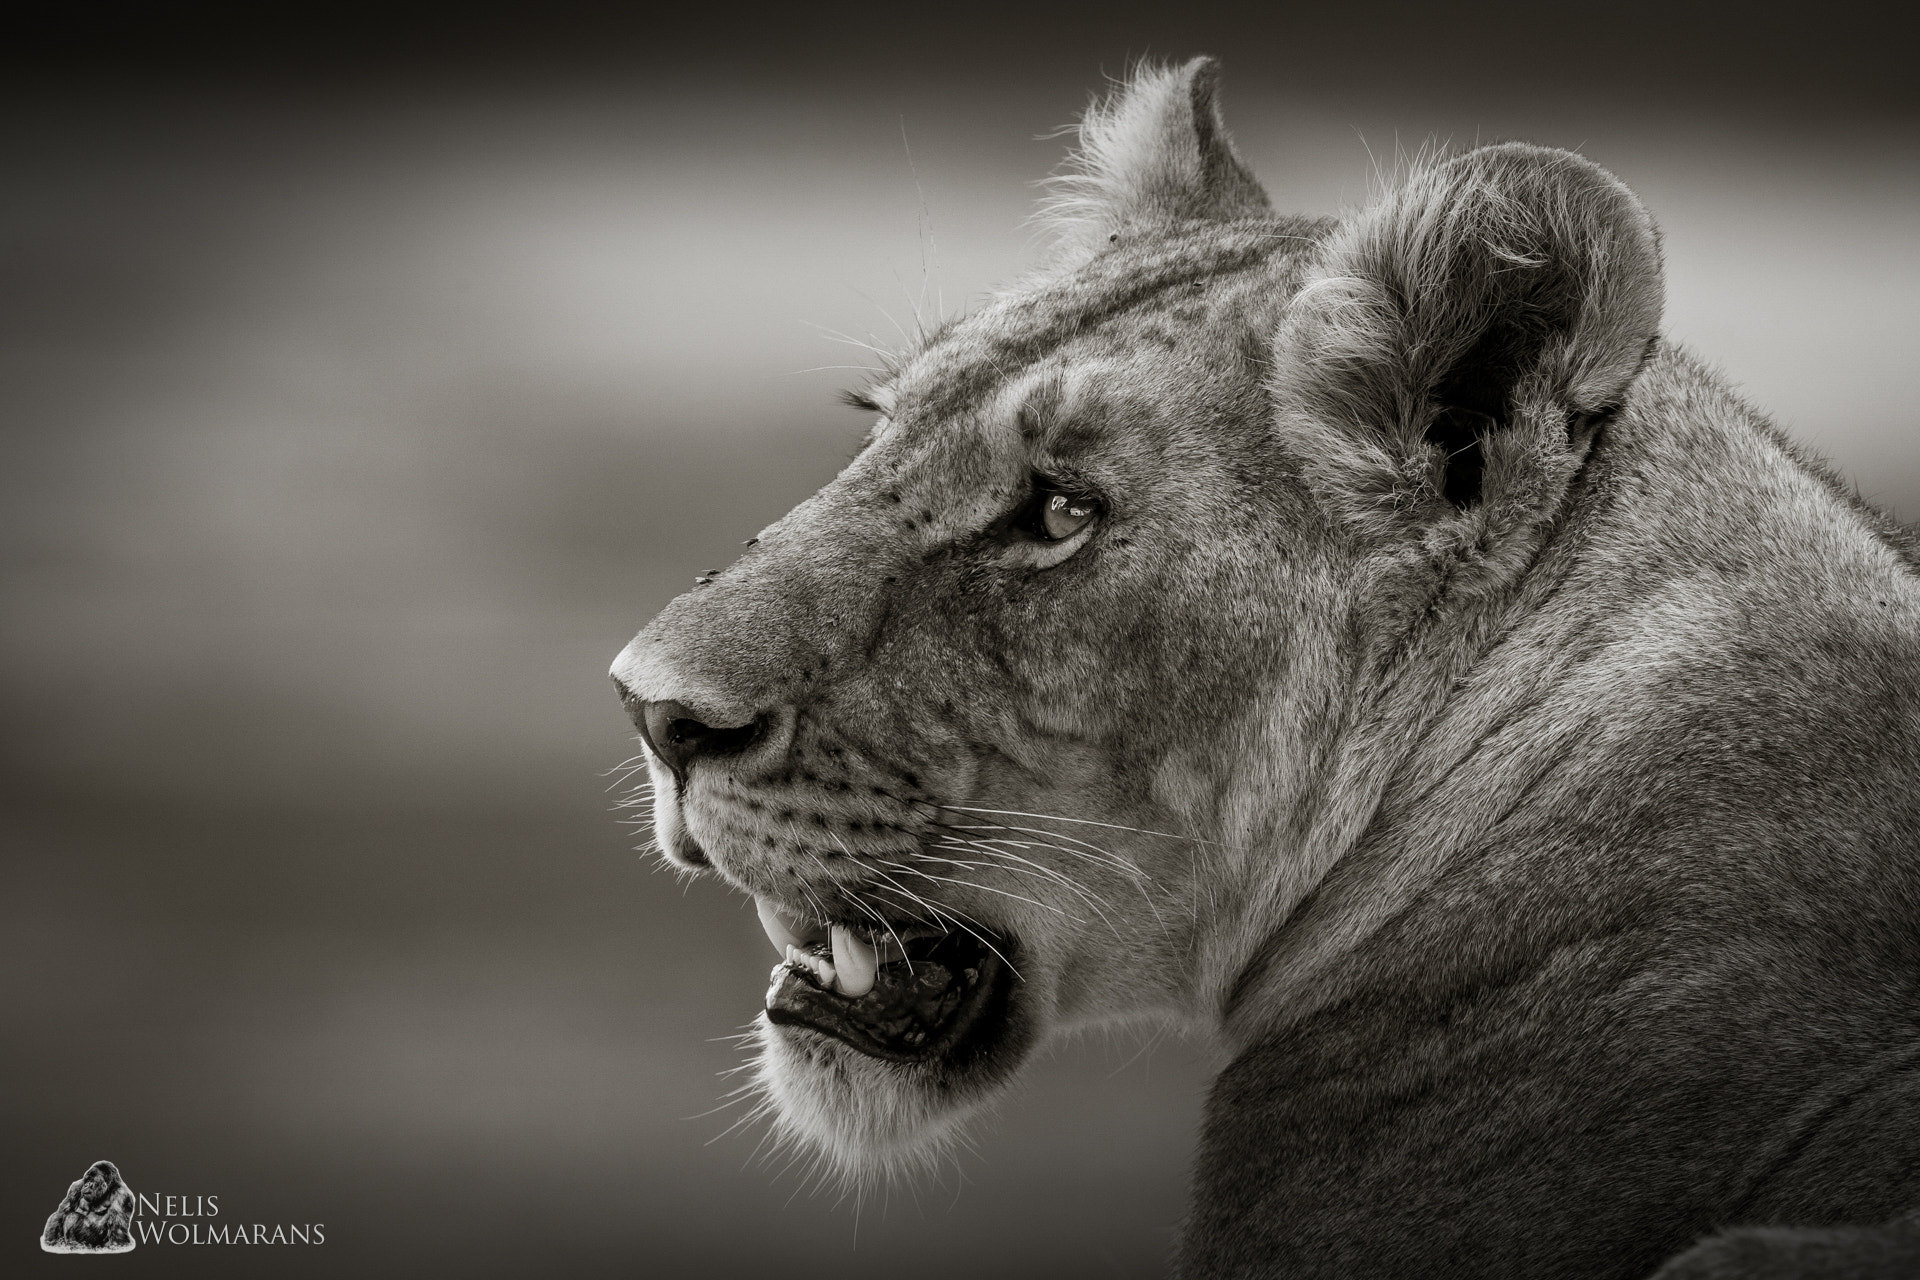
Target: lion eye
1062 516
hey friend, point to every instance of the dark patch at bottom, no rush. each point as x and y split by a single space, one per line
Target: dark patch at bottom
920 1008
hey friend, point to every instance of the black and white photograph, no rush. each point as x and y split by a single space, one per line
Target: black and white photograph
1031 642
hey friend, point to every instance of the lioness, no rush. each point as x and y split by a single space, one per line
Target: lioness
1369 644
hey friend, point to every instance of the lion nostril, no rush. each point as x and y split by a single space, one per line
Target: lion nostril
679 737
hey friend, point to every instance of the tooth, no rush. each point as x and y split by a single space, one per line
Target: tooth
855 962
819 966
780 932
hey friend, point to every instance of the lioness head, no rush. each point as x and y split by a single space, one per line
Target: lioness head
1052 706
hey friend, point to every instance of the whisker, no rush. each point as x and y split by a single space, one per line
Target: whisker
969 884
987 847
899 328
733 1099
837 335
1152 1042
1041 874
1049 874
1140 878
1086 822
1039 831
1107 858
884 922
825 915
763 1109
631 765
957 915
931 913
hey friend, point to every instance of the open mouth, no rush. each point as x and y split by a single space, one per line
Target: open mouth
912 995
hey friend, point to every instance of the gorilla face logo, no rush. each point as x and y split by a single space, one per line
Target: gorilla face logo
95 1217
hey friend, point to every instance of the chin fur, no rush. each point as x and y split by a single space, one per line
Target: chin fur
852 1119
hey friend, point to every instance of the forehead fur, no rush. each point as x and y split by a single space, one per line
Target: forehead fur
1188 287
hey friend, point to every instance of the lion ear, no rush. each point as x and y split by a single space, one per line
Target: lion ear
1468 331
1153 152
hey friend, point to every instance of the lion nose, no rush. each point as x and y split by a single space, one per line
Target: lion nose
679 737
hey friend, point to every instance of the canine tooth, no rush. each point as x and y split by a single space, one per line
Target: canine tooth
784 930
779 932
855 962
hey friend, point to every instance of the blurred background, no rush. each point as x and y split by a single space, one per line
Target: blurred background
369 377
